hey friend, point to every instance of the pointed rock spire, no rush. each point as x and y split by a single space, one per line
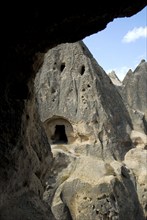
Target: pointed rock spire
73 90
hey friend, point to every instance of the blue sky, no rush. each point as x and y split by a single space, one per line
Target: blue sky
121 45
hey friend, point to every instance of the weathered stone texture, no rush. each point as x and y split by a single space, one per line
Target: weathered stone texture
99 167
74 91
134 93
22 184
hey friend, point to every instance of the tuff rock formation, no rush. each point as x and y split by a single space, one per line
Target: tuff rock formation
28 31
97 172
74 91
115 80
134 93
133 90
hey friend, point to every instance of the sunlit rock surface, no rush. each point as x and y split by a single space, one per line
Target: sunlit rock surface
90 132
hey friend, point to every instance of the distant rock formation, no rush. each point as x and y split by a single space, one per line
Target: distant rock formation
133 90
98 172
114 78
134 93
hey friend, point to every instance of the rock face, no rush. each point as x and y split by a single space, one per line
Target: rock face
134 93
133 90
78 104
89 129
23 183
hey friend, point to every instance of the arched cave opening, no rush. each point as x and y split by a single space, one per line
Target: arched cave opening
59 136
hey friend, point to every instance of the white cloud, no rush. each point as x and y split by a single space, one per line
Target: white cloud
135 34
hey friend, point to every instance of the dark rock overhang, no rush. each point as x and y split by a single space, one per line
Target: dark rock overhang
46 25
28 29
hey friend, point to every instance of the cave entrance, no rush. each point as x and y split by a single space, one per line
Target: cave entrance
59 136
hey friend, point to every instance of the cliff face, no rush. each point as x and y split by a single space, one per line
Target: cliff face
96 164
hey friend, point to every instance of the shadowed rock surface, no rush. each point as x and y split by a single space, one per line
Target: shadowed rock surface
96 166
133 90
27 32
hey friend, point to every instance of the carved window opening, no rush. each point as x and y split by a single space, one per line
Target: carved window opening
59 136
82 70
62 67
